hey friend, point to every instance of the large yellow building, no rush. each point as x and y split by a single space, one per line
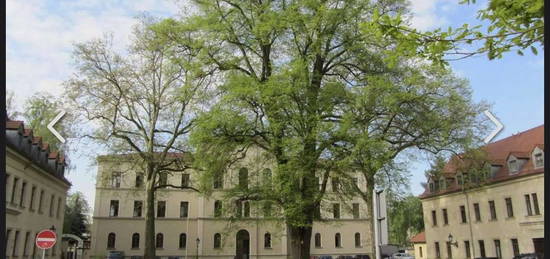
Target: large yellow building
502 217
191 225
36 190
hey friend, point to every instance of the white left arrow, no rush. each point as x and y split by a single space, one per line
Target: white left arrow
53 122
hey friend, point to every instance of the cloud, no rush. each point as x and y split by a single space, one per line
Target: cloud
424 13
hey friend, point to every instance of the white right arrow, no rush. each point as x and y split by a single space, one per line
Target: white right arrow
53 122
497 130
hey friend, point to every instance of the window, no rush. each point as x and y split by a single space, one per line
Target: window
267 240
243 178
15 243
539 160
337 240
467 249
420 251
163 179
481 248
477 212
185 180
267 209
184 209
40 201
528 205
159 240
135 241
509 208
14 189
26 243
535 203
356 210
449 250
463 214
492 210
116 179
357 240
34 246
52 204
434 218
246 209
139 180
437 251
498 252
317 240
183 241
445 217
111 239
217 240
7 183
58 207
513 165
138 208
336 210
113 211
335 184
23 190
515 246
238 209
33 191
161 209
459 179
8 232
431 186
217 208
218 181
442 183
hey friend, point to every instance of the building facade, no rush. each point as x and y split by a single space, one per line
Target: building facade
36 191
502 216
419 246
192 225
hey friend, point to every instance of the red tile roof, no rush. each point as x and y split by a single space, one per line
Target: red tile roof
419 238
520 145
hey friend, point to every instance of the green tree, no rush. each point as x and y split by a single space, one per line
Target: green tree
405 219
39 110
140 104
76 215
320 93
11 111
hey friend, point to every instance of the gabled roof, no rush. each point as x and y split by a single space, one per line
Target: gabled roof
419 238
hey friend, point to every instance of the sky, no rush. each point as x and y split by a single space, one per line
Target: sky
41 34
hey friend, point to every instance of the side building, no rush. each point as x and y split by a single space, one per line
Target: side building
502 215
190 225
36 191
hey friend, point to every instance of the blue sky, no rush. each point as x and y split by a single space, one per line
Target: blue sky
40 35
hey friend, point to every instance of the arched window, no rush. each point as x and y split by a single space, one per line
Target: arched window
243 178
135 240
337 240
183 241
317 240
267 240
111 239
217 240
159 241
357 240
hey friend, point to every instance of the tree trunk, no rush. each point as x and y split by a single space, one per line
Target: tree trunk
150 216
370 209
300 242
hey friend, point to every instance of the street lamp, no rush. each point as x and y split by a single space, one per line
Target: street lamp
198 241
451 240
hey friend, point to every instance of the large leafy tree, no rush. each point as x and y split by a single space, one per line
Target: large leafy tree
139 103
405 219
76 215
319 90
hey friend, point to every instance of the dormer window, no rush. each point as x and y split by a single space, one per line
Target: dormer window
431 185
513 165
538 158
442 183
459 179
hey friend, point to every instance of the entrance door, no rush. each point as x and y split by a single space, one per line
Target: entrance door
243 245
538 243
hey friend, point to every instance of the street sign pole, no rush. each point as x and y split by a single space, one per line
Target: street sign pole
43 253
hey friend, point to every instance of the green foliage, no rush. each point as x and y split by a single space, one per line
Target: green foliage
76 215
39 111
405 219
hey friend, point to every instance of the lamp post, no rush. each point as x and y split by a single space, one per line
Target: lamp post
198 241
450 238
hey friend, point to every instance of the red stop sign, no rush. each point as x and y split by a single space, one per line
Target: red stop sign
45 239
